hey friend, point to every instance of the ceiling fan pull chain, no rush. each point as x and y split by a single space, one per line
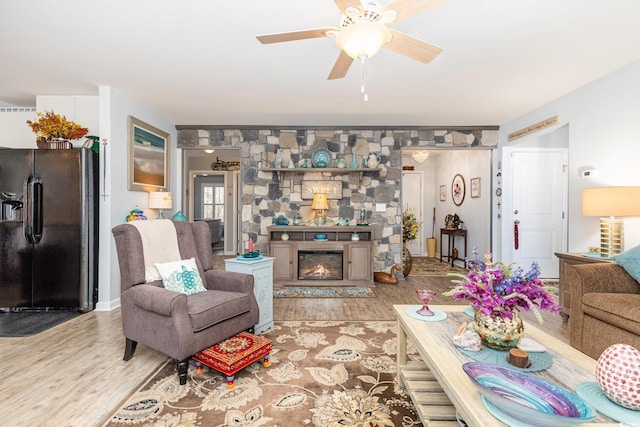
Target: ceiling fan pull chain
363 86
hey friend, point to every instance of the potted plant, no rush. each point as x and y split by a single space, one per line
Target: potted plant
410 229
55 131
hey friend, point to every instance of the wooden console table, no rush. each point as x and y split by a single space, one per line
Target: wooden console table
356 254
452 233
564 293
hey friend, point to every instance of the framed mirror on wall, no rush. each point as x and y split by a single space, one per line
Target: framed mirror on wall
458 189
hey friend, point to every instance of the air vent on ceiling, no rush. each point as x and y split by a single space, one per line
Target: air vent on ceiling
18 109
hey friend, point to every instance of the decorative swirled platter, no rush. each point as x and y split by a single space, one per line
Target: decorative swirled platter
528 398
321 158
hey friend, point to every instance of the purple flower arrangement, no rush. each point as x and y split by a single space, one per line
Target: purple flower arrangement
500 290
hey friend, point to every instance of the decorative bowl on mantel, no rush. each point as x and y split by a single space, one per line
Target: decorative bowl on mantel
527 398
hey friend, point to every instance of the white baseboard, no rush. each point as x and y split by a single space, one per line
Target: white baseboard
108 306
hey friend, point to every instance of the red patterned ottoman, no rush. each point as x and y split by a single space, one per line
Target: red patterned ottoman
235 353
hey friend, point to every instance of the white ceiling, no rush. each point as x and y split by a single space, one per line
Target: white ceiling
198 62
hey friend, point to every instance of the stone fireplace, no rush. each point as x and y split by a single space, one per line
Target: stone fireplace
265 194
320 265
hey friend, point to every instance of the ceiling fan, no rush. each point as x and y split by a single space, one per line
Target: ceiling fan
362 31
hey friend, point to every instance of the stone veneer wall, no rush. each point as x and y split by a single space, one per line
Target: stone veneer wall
264 197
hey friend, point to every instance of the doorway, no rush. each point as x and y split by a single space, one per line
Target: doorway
211 195
412 183
439 173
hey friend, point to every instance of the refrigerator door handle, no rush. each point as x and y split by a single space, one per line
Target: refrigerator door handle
34 223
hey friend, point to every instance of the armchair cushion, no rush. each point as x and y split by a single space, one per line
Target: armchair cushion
630 261
209 308
181 276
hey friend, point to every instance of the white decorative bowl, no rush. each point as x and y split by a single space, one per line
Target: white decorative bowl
618 375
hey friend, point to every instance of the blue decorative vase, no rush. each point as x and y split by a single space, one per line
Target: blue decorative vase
354 161
179 216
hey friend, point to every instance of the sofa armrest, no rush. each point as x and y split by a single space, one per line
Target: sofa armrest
229 281
158 300
600 278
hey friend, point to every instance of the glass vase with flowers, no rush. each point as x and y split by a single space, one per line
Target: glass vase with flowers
498 292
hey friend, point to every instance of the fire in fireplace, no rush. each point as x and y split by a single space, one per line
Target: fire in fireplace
320 265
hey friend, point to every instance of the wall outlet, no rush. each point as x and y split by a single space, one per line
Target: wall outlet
381 207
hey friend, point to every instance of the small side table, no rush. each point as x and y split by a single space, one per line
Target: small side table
262 271
451 234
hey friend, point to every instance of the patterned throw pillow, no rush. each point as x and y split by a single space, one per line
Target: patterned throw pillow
630 261
181 276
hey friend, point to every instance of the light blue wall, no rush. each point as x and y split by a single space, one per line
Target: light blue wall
116 200
603 121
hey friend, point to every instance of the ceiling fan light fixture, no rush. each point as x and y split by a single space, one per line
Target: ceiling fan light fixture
363 38
420 155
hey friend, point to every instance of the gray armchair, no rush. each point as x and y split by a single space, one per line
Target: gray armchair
174 323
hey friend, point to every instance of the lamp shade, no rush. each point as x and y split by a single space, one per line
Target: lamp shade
611 201
160 200
363 38
320 202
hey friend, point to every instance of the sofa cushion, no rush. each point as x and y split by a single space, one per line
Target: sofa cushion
619 310
630 261
181 276
211 307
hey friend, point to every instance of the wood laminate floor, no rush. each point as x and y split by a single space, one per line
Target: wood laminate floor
74 375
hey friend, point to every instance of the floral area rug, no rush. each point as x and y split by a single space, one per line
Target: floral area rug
321 374
323 292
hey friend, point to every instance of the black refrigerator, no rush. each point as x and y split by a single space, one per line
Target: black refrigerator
49 251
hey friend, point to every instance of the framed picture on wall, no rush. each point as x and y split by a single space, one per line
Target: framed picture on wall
475 187
148 157
443 193
457 189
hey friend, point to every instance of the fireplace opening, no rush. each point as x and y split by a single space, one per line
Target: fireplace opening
320 265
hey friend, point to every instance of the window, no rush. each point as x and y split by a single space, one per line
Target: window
213 201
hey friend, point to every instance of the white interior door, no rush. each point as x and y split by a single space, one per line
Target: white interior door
535 203
412 198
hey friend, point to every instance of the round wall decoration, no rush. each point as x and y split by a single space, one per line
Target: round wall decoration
321 158
457 189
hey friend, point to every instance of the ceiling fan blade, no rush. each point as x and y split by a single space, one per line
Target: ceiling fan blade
294 35
341 66
344 4
408 8
412 47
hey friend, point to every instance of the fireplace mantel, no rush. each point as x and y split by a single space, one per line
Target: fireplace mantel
356 254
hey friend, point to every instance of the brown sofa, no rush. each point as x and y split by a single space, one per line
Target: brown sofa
174 323
605 307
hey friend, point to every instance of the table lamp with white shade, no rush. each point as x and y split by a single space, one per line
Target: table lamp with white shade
160 200
611 203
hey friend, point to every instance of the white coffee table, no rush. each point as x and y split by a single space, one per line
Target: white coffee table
439 386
